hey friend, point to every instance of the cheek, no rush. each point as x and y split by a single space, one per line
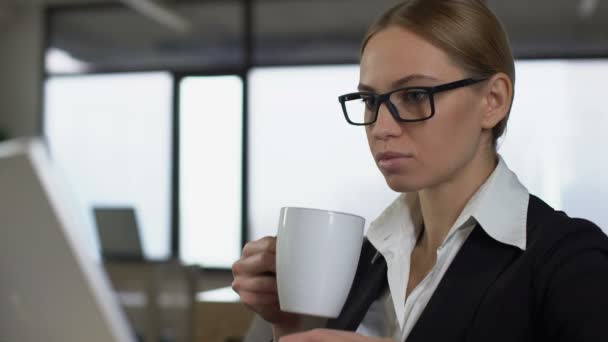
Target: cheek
449 137
370 140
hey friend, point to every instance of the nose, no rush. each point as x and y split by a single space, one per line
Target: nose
386 125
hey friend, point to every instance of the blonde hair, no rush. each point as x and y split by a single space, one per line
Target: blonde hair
466 30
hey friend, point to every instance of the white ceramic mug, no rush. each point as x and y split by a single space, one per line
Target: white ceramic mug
317 256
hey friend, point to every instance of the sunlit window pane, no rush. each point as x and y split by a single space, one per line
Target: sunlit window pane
303 152
556 138
211 129
111 135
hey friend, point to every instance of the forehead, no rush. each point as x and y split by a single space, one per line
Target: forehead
395 52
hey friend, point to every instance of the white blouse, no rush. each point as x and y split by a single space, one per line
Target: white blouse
499 206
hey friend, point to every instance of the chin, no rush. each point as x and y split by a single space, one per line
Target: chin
399 183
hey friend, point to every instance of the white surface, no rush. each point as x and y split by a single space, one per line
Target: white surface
556 137
211 126
302 152
111 136
51 289
224 294
317 256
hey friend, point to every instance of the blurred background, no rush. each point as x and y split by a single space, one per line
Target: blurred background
204 118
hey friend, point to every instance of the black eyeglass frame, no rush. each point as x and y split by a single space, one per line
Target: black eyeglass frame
380 98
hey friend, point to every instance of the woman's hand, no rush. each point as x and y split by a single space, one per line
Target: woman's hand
255 282
327 335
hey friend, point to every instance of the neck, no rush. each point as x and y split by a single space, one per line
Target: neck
441 204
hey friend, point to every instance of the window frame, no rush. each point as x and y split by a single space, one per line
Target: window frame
248 48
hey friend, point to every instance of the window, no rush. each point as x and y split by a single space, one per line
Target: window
211 130
301 150
303 153
111 135
556 135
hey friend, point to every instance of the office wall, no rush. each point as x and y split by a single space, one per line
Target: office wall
21 40
21 73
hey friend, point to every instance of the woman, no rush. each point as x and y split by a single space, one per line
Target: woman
465 253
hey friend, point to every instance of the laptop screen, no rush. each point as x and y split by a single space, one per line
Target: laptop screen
118 233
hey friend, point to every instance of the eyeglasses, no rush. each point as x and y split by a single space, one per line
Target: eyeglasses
409 104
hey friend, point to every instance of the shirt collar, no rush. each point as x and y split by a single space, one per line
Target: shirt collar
500 207
398 225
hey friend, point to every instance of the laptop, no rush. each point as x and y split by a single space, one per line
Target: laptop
118 233
51 287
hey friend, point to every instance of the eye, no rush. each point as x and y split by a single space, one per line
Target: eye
370 101
415 96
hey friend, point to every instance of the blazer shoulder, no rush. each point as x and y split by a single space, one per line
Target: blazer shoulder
553 233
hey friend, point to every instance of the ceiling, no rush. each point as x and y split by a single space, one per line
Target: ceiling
299 31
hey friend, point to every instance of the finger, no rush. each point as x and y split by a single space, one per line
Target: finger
265 244
256 264
257 300
263 284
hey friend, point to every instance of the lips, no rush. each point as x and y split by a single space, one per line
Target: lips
388 155
391 161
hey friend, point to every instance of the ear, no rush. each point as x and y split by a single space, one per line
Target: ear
498 95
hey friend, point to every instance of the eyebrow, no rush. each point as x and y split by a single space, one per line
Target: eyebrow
398 83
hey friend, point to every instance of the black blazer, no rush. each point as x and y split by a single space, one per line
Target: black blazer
555 290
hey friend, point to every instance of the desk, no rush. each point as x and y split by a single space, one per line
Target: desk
161 301
158 298
220 316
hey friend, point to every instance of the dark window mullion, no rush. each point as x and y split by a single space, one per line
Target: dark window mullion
175 178
248 47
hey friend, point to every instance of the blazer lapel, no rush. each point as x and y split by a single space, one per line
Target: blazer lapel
452 307
368 284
